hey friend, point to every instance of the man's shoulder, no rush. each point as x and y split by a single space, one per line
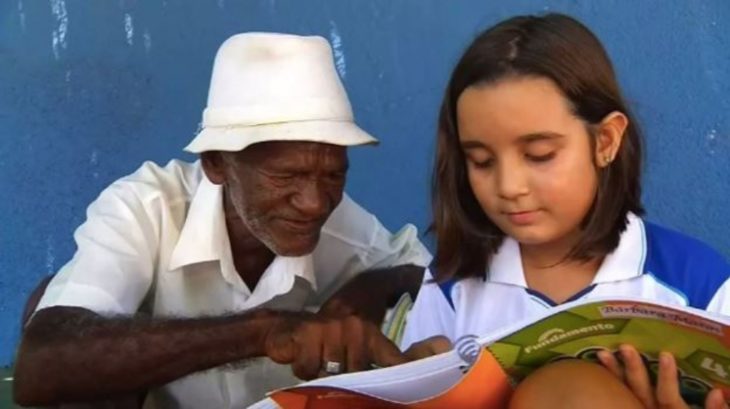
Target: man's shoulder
175 181
351 223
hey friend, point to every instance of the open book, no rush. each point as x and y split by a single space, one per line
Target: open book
481 372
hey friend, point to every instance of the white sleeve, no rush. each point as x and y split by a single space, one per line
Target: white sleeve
720 302
353 240
112 269
431 315
377 247
403 247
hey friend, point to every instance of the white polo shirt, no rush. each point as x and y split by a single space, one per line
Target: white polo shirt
650 262
156 241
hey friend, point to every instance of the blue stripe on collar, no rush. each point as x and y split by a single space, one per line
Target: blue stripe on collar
547 300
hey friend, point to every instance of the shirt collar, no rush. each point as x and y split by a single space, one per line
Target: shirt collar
506 265
204 237
625 262
201 237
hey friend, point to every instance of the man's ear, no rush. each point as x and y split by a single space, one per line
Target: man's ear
214 166
609 138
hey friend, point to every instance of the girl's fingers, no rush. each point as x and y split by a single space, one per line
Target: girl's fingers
637 377
716 400
667 389
609 361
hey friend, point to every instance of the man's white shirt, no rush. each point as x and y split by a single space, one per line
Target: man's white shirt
156 242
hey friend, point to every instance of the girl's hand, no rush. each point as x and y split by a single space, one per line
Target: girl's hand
666 395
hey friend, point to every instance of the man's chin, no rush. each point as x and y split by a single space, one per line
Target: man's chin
294 248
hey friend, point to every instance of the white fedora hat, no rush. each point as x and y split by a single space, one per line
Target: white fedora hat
275 87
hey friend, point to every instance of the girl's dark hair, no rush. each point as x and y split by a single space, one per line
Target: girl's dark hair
562 49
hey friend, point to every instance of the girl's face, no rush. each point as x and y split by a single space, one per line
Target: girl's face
529 158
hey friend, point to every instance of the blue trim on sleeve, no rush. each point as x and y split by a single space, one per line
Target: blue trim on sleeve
685 265
670 287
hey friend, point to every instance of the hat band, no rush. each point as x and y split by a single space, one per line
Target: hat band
252 115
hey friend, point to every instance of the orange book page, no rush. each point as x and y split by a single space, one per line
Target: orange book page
484 386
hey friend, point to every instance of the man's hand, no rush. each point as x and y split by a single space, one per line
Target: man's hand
308 343
371 293
357 298
428 347
666 394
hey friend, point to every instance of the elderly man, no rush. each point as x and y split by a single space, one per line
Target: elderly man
188 267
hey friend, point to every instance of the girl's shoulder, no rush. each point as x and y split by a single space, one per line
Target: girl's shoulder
685 263
674 246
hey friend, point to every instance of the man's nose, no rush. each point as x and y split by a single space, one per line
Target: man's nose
311 199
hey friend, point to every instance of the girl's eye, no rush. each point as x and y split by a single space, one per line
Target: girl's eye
540 158
482 164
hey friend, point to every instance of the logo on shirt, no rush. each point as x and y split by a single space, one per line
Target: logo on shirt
468 348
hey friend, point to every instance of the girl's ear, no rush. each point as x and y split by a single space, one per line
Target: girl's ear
213 166
609 137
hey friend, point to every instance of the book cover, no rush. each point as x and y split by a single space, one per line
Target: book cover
481 371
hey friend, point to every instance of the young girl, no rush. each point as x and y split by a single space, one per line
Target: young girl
536 190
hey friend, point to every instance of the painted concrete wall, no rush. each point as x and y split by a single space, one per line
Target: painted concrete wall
90 89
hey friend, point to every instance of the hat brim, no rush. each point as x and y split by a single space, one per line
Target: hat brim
232 139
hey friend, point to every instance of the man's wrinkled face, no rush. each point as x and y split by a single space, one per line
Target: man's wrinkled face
285 191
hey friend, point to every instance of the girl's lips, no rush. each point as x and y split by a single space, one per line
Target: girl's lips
522 218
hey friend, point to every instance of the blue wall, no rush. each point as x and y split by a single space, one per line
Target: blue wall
90 89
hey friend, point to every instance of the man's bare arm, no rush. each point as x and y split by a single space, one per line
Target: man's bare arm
70 354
